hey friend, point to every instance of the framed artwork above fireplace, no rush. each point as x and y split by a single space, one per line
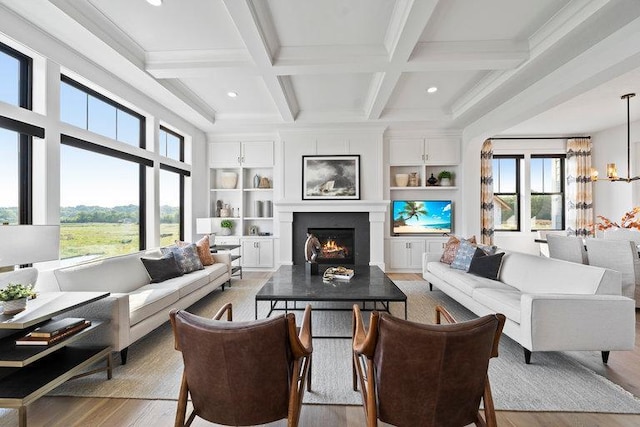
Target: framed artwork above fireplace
331 177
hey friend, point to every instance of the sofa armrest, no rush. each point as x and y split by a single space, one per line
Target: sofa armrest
115 309
223 258
428 257
577 322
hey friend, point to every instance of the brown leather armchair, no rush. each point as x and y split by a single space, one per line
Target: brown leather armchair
242 373
428 375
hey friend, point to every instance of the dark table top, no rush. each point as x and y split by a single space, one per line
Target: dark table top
292 283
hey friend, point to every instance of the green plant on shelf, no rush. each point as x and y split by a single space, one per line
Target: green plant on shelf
226 223
15 291
445 175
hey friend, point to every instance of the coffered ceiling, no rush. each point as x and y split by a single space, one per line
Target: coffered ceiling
333 62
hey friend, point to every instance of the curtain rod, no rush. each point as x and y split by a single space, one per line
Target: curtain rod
533 137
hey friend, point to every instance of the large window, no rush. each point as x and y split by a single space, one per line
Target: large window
101 201
506 192
171 202
15 77
171 144
9 176
87 109
547 192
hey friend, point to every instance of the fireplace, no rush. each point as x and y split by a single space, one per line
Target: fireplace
336 245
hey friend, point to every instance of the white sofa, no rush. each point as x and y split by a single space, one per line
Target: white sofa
135 306
550 305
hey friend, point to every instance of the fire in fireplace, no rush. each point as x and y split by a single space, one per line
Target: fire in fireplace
336 245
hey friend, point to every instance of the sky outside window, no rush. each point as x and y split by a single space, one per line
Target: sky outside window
10 188
9 79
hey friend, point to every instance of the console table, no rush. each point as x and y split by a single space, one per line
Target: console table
29 372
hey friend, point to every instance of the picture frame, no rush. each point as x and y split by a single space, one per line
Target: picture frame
331 177
253 230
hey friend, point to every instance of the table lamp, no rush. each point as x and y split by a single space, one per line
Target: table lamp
207 226
26 244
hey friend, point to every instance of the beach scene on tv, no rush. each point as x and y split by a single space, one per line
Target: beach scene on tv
421 217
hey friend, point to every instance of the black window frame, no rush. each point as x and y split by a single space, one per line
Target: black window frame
182 174
180 137
563 165
518 161
143 141
142 163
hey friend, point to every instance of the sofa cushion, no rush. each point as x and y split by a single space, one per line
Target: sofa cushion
184 284
467 283
484 265
216 270
465 253
120 274
203 248
451 248
186 257
146 301
161 269
505 301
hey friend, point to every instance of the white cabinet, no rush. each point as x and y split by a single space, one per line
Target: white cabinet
236 153
429 151
257 253
406 254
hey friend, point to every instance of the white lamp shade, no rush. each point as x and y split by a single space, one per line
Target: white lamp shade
26 244
206 225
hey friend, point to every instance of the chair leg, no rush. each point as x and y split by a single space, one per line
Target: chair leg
489 409
182 402
527 356
310 360
605 357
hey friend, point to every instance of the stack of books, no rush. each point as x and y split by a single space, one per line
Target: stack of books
54 331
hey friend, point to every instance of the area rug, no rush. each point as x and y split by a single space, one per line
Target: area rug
553 382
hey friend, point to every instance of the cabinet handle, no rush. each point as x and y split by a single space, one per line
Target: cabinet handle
239 160
426 157
242 159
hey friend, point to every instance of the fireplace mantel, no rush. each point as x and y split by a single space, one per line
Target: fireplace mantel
377 210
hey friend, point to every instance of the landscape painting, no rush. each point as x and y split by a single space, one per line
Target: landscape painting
331 177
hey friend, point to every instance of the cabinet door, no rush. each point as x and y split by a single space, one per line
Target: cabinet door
265 249
258 153
414 257
257 253
224 154
406 151
442 151
398 253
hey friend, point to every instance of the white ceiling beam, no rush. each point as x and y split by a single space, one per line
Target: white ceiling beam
468 55
244 16
406 26
198 63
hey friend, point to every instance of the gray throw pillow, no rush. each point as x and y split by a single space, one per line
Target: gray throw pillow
186 257
486 265
161 269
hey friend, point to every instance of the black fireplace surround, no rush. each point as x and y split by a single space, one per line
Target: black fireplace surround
339 221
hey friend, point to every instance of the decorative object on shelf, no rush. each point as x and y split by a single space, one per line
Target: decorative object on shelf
253 230
311 250
257 208
228 180
264 182
268 209
612 170
402 179
445 178
331 177
218 207
226 225
225 212
14 297
414 179
432 180
256 181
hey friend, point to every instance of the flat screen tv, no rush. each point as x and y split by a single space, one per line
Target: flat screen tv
421 217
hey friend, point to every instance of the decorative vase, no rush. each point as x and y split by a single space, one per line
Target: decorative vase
225 231
414 180
14 306
228 179
256 181
432 180
402 179
445 182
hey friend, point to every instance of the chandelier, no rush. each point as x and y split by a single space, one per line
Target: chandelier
612 170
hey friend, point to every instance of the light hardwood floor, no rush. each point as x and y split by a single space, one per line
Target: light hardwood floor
623 369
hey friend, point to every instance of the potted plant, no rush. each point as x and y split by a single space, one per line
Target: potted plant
445 178
226 225
14 297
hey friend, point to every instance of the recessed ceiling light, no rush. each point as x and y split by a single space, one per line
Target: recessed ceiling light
432 89
155 2
232 94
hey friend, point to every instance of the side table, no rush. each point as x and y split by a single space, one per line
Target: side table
235 269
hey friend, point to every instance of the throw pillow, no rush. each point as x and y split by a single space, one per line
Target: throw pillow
204 252
451 248
186 257
486 265
464 255
161 269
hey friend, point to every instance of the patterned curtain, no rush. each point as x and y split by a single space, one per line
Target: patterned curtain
486 192
579 187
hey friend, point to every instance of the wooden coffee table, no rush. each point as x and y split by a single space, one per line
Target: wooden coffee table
369 287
